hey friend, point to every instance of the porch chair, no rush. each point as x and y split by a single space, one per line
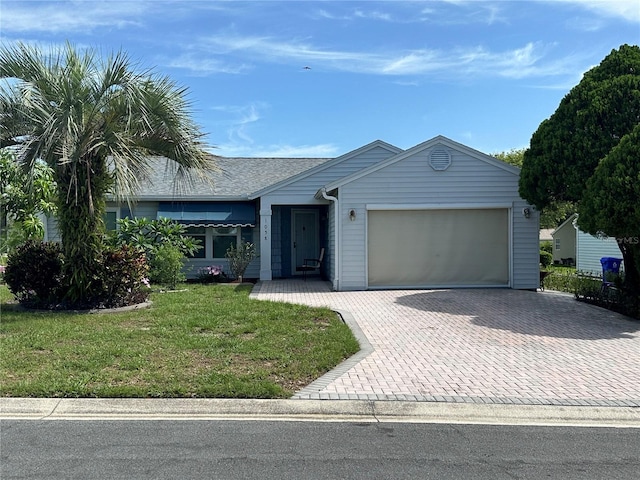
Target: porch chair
311 264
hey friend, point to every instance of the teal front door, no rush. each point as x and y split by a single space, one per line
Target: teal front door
305 242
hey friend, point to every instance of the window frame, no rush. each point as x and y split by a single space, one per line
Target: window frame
107 211
203 243
241 234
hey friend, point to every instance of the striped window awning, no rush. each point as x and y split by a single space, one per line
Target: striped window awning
209 214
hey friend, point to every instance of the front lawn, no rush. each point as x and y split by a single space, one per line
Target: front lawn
206 341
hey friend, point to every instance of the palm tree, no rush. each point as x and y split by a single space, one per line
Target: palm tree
96 123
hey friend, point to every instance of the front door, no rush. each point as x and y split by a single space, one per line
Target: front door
304 236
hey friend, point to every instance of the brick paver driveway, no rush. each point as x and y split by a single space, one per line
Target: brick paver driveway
476 346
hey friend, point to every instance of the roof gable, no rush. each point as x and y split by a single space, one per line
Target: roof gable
393 150
566 222
234 178
439 140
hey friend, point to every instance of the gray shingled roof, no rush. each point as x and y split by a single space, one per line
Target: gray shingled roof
235 178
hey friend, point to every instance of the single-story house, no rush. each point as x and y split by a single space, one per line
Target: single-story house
574 247
439 214
564 242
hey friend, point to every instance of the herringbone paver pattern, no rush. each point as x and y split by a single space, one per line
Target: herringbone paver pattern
477 346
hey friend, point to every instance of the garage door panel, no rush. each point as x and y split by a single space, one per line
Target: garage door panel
438 247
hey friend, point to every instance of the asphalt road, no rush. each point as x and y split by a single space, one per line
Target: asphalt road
221 449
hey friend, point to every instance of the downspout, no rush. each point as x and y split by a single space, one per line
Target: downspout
336 250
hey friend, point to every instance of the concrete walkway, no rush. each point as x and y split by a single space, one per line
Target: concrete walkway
479 346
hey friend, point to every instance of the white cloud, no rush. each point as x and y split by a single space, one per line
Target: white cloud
240 121
325 150
628 10
199 65
373 15
358 13
586 24
310 151
240 143
438 13
527 61
71 16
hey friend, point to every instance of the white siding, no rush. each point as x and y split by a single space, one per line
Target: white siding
53 234
411 181
590 250
330 253
303 191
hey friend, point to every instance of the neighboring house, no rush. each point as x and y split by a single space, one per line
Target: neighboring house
584 249
590 249
437 215
545 235
564 242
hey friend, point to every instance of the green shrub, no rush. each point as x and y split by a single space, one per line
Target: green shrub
590 289
546 246
240 258
164 242
124 277
546 258
166 266
150 234
34 274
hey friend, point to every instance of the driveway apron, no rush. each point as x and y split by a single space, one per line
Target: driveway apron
475 346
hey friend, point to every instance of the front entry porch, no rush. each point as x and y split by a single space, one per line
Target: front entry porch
297 232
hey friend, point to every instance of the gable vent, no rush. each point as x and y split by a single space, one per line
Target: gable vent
439 159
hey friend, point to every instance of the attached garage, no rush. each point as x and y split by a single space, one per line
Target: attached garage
438 247
438 215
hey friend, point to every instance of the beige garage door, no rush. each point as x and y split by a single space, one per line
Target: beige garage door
453 247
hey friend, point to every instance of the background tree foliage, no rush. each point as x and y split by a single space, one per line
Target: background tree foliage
568 148
24 196
553 214
96 123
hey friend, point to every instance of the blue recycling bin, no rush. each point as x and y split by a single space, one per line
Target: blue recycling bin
610 267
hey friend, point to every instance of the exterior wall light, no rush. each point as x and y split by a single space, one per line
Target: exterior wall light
352 215
526 212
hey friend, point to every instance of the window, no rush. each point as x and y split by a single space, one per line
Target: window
223 238
557 246
220 239
111 217
200 234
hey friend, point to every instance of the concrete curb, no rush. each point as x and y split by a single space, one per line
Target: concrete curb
314 410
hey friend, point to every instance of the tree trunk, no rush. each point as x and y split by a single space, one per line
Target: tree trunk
81 209
631 256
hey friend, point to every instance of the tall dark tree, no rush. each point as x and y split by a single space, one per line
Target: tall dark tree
554 213
95 122
590 121
611 201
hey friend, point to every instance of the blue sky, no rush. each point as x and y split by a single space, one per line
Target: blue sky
483 73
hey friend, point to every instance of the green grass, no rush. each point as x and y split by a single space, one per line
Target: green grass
207 341
561 279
